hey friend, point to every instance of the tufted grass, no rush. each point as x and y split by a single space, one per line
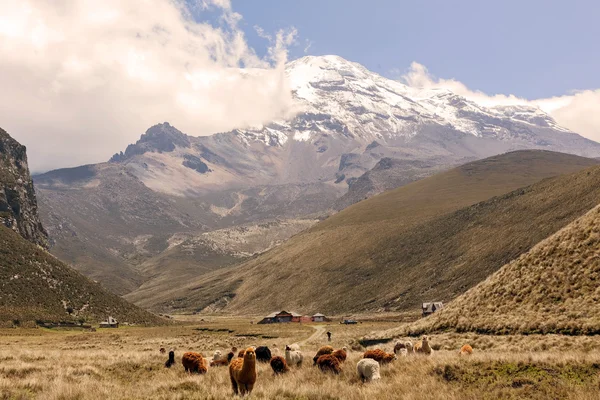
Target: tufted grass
126 364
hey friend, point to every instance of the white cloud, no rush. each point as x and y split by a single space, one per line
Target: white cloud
83 78
577 111
309 44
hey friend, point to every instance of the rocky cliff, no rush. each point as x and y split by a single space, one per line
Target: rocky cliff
34 286
18 205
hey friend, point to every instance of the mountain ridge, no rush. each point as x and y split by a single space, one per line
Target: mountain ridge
348 120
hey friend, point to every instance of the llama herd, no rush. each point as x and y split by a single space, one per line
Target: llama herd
242 366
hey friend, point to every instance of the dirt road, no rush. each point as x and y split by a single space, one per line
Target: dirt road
317 337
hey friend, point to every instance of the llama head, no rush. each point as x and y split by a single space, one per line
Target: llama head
249 354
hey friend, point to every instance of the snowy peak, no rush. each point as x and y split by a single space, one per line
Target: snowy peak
352 94
315 72
529 114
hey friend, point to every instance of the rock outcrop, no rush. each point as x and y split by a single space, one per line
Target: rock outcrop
18 205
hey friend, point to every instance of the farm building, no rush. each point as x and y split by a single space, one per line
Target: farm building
281 316
318 317
430 308
109 323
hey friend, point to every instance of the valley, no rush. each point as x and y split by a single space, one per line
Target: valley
220 199
291 200
353 135
432 239
373 197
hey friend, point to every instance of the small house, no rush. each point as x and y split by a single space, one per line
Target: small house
109 323
281 317
269 319
318 317
430 308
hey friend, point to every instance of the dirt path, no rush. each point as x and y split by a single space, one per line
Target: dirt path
319 331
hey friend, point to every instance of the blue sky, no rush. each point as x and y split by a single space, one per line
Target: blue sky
530 48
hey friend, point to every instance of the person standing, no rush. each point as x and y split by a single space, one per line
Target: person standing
328 336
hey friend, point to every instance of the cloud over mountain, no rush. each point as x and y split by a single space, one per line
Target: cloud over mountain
82 78
575 111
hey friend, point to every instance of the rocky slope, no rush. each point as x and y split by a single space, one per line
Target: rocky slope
429 240
347 121
192 255
18 205
387 174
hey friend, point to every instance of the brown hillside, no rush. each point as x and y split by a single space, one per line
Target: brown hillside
396 249
35 286
554 288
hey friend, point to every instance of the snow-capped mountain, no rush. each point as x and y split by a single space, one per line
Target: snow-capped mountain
333 92
347 119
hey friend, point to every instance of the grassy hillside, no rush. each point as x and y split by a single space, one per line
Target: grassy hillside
411 244
553 288
389 174
36 286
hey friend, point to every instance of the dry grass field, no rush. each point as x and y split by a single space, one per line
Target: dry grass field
126 363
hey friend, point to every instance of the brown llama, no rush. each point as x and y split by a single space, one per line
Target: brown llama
466 350
242 372
380 356
279 365
194 363
423 347
322 351
340 354
329 363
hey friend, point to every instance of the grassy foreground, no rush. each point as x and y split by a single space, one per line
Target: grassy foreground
126 364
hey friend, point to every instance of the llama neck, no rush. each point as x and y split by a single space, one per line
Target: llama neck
248 366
